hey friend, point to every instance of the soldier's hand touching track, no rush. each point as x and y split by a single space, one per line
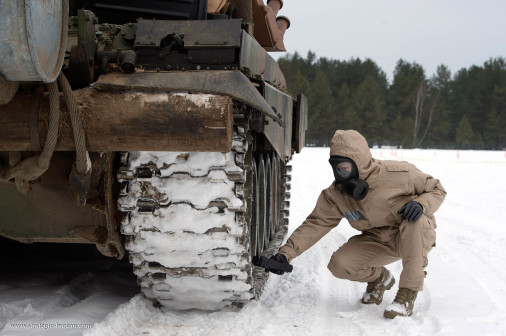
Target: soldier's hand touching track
411 211
281 258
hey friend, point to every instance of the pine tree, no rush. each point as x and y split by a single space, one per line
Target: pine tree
368 103
342 104
464 136
440 90
321 123
402 101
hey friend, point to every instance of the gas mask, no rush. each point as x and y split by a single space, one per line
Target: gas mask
346 175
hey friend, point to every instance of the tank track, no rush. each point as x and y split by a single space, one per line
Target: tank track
186 226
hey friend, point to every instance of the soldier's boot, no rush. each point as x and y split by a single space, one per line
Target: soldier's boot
403 304
376 289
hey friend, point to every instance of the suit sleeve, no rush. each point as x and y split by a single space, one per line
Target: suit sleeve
324 218
430 193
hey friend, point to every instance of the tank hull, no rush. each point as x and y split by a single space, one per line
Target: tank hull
170 139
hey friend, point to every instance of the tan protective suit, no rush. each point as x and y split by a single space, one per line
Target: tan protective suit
385 237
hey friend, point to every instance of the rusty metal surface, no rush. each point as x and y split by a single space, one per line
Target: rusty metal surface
138 120
243 10
35 99
257 63
266 30
113 246
15 124
197 34
127 121
252 58
80 70
48 213
95 234
276 5
33 39
7 90
216 6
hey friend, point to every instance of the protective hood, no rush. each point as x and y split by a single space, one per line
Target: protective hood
353 145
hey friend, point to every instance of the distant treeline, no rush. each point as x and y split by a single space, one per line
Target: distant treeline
466 110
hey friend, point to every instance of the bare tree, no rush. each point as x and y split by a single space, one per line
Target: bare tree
421 95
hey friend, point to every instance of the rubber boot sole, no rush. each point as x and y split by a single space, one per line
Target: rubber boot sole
390 314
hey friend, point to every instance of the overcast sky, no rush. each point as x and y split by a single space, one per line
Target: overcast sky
458 33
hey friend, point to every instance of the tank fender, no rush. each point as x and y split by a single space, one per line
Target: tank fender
227 83
300 122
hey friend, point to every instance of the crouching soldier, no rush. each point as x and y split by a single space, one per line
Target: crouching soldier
392 203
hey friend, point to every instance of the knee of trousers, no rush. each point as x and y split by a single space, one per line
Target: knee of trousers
423 228
416 226
342 267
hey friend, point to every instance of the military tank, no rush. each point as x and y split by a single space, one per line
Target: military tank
157 130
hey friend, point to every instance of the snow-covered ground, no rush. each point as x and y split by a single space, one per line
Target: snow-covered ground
465 291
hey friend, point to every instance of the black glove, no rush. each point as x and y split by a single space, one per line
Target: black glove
411 211
281 258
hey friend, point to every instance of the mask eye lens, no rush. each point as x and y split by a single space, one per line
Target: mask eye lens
344 169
